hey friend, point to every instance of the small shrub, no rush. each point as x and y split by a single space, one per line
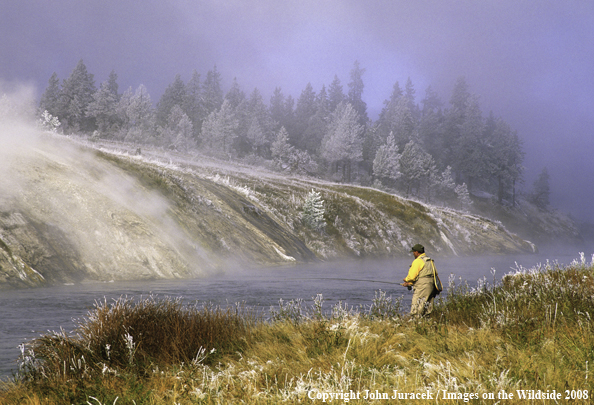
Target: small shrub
383 307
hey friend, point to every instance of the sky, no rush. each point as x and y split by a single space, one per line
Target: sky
531 62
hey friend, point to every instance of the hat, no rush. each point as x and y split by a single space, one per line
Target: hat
418 248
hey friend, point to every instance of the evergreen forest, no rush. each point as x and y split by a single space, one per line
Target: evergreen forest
427 149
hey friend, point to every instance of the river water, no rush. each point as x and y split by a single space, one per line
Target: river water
27 314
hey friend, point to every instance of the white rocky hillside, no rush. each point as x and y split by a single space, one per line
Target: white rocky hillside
71 212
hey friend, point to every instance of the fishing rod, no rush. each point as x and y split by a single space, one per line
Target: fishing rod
344 279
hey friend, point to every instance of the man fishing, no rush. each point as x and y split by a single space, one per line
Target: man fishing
421 277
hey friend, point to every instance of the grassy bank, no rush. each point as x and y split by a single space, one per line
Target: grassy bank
531 331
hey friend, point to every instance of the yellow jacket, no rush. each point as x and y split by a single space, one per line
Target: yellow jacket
415 268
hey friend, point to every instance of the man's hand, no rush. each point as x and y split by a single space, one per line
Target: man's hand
406 284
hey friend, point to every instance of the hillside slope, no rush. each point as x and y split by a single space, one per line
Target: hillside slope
70 212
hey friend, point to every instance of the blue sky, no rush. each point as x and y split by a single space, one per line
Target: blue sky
530 62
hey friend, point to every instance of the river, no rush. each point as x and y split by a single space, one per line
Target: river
27 314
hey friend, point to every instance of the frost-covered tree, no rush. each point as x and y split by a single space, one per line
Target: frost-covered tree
460 94
453 121
505 157
256 136
304 111
431 133
445 187
281 149
174 94
417 168
178 133
409 94
104 108
355 94
464 200
541 190
312 213
49 122
255 125
471 154
318 124
431 103
343 143
50 99
137 114
219 129
212 93
75 96
386 165
276 108
402 123
112 84
287 158
235 95
192 105
301 162
335 94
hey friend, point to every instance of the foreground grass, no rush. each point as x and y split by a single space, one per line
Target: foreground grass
532 331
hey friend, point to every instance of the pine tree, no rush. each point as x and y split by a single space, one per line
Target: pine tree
386 165
219 130
178 134
137 114
453 121
235 95
49 122
103 108
335 94
50 100
343 142
417 167
277 109
313 211
318 124
385 116
460 94
410 98
212 93
396 117
257 126
504 159
431 136
281 150
445 187
175 94
402 124
541 190
464 200
355 95
304 111
256 137
112 84
192 104
470 154
75 96
431 103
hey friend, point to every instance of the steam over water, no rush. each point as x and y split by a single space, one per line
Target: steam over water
26 314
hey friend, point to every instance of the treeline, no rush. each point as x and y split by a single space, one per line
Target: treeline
427 149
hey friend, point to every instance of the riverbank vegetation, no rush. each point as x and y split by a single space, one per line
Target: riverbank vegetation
530 331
